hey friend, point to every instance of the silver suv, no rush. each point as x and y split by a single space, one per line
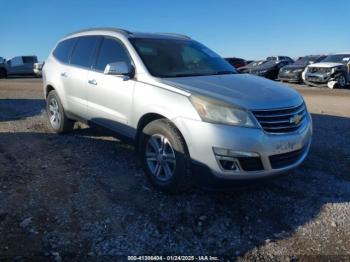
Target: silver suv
192 117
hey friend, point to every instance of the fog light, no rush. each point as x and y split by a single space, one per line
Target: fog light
229 160
228 163
229 152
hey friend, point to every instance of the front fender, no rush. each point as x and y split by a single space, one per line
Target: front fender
157 100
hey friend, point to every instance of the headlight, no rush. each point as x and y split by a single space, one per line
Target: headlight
262 72
334 69
214 111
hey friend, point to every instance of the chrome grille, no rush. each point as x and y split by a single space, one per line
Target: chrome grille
319 70
282 120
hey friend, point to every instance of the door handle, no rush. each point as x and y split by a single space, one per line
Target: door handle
92 82
64 74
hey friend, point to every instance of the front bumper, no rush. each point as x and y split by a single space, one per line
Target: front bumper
201 137
290 77
317 79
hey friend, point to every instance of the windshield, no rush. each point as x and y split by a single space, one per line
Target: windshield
256 63
308 59
270 58
179 58
305 60
268 64
337 58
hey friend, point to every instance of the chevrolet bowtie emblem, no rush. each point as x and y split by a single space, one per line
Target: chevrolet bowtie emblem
295 119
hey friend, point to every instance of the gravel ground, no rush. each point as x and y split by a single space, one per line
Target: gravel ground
83 196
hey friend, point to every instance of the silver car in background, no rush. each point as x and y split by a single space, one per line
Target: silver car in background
192 117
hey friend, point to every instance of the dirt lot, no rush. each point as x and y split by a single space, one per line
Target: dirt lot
83 195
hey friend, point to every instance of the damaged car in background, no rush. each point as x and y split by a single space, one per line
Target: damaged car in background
293 72
333 72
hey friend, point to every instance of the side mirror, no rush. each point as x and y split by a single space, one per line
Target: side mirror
119 69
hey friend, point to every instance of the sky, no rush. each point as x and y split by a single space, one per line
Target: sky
250 29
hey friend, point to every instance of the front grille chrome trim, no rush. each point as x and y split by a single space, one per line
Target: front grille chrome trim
280 120
280 115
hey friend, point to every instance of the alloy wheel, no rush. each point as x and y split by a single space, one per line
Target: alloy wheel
160 157
342 81
54 113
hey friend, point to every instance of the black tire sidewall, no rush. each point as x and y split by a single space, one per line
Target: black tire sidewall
3 73
180 176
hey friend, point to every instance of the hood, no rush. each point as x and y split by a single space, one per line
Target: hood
243 90
326 64
246 67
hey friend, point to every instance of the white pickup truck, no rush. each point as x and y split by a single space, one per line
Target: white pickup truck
19 65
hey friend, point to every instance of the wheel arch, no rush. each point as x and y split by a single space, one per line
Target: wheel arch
48 89
148 118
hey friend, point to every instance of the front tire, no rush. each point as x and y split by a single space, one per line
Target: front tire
341 79
57 117
165 157
3 73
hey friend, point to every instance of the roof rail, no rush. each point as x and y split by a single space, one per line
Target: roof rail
174 34
119 30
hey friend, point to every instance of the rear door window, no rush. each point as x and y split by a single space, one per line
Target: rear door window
64 49
84 50
111 51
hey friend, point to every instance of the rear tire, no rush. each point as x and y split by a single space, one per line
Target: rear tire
164 156
56 114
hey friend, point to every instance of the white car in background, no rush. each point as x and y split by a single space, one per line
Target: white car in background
37 68
333 71
18 66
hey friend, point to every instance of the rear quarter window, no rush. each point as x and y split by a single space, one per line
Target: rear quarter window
63 50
